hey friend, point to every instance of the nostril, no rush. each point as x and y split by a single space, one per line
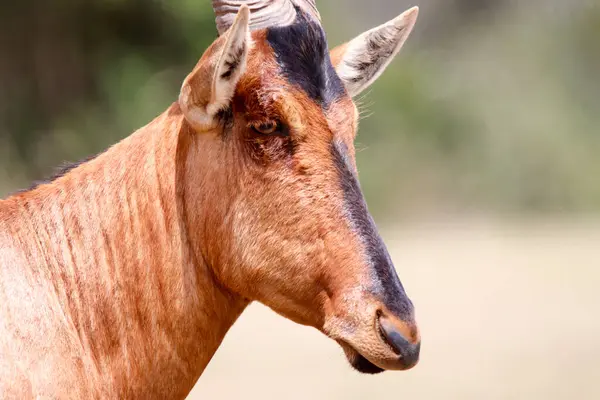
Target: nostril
392 336
409 352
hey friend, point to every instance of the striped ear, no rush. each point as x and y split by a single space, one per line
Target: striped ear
209 88
363 59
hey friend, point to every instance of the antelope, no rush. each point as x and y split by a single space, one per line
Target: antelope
120 277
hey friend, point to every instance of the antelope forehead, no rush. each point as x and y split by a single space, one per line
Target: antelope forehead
302 53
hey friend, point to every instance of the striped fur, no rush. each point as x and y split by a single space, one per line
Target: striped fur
121 277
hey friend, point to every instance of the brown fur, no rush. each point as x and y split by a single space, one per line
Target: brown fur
121 278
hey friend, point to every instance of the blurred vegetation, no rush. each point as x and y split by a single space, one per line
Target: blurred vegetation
492 107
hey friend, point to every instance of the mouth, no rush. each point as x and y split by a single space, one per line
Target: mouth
400 354
359 362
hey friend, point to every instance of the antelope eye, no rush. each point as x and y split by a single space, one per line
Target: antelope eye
268 128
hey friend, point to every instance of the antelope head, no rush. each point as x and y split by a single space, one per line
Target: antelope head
282 219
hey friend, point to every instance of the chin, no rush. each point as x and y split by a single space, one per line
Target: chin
359 362
365 366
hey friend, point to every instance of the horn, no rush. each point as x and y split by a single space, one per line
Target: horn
263 13
310 7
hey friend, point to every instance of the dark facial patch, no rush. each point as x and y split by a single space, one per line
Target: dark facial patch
356 208
302 52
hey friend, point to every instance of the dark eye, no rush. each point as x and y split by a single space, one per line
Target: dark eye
269 128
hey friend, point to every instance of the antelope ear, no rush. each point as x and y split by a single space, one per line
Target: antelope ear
363 59
209 88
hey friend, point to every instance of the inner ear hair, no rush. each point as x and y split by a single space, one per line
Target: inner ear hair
362 60
208 90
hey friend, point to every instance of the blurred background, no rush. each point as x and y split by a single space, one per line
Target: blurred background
479 155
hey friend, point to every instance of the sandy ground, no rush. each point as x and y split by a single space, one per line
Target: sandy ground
506 312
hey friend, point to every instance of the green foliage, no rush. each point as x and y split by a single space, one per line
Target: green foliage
497 113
